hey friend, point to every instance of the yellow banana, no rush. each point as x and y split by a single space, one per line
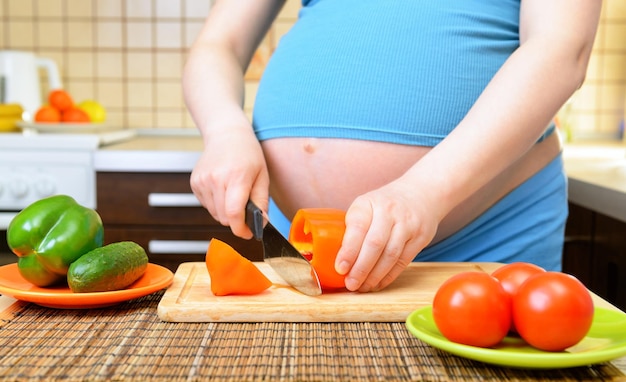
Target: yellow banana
9 123
11 109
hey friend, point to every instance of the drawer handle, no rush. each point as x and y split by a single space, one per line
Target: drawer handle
178 246
156 199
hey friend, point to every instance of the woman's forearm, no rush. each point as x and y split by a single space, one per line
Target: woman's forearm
213 78
213 87
508 117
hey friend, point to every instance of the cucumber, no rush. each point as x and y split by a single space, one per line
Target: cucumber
111 267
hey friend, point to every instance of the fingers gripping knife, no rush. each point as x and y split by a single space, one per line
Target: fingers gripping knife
281 255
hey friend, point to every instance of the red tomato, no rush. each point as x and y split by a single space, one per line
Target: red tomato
472 308
552 311
511 276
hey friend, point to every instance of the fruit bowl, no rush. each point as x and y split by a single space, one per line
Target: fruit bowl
66 127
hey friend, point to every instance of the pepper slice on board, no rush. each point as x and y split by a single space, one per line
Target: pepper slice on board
232 273
318 232
50 234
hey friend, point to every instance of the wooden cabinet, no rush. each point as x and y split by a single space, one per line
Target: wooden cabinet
578 246
608 270
595 252
6 256
159 212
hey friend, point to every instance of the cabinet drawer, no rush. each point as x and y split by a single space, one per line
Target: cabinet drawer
170 247
150 199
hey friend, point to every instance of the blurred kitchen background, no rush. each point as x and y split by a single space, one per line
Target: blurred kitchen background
597 109
129 55
126 54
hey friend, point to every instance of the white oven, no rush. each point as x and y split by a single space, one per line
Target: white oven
36 166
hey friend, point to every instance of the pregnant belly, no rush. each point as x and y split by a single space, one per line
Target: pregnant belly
318 172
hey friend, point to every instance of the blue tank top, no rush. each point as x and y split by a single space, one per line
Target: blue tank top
400 71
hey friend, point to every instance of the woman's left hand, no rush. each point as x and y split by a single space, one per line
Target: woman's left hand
385 230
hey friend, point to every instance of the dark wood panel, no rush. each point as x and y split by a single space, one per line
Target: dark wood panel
578 245
123 199
123 205
609 259
595 252
6 256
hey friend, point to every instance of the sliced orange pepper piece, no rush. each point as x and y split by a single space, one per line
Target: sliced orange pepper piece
319 231
231 273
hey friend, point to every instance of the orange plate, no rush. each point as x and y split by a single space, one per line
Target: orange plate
13 284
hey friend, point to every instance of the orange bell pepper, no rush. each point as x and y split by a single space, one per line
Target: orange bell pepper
232 273
317 233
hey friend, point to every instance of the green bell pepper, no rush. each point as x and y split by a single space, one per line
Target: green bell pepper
50 234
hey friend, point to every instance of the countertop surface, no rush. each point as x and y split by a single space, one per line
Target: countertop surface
596 173
128 341
151 152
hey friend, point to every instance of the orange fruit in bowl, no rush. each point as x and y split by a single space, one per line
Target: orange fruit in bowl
75 115
60 99
47 114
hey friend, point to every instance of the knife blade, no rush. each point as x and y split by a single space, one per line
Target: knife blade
278 252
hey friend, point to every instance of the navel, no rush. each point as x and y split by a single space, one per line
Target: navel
310 146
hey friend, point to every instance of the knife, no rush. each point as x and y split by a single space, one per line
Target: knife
281 255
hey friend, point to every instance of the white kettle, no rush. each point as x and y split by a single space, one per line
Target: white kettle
20 81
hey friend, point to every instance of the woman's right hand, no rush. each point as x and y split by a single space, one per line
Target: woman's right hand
232 167
230 171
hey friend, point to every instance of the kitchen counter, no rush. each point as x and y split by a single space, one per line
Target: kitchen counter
129 342
151 151
597 176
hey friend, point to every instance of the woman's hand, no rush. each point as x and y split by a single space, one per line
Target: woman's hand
232 168
385 230
230 171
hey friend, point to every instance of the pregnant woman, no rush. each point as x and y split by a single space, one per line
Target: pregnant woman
429 122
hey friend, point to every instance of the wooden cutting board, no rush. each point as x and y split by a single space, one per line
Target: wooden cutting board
189 298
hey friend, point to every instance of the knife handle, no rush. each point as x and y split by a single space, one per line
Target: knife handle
254 219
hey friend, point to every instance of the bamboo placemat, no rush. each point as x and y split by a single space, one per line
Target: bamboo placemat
130 342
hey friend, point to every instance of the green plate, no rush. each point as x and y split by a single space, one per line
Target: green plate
605 341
